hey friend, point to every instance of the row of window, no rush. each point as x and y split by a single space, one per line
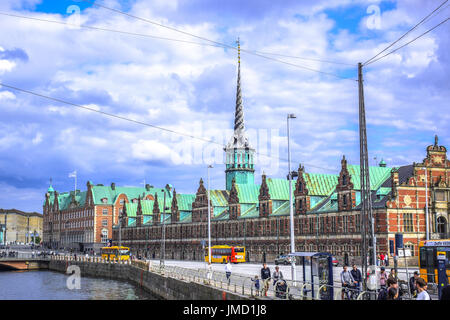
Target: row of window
272 227
79 224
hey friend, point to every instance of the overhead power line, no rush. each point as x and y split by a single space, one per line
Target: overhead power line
410 30
224 46
166 38
214 42
439 24
143 123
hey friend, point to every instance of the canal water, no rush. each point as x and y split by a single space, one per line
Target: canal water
50 285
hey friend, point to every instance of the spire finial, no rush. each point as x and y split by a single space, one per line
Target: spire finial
435 140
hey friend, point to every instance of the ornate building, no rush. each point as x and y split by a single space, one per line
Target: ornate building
84 220
326 207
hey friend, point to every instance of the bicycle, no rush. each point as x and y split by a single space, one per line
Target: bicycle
350 292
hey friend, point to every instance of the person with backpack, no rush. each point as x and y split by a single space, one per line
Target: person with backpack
392 294
383 294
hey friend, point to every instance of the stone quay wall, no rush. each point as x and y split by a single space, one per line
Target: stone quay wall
158 285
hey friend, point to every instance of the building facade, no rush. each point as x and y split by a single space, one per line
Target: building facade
19 227
83 220
326 208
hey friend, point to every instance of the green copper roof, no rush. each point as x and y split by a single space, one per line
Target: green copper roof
282 210
279 188
248 193
218 198
378 175
319 184
185 201
250 212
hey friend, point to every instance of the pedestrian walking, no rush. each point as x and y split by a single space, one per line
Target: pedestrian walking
383 278
256 284
357 276
412 284
277 275
228 270
386 260
382 259
347 281
265 277
422 290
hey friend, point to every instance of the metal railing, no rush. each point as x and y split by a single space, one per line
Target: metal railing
243 284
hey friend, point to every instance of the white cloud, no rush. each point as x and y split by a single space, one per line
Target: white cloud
7 95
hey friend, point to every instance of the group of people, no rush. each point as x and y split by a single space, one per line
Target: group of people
351 282
389 286
278 282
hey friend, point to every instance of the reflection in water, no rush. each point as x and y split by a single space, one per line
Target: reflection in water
49 285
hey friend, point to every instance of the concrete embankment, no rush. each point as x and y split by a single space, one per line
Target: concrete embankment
159 285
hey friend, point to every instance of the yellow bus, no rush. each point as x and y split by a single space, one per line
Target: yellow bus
112 253
223 253
428 252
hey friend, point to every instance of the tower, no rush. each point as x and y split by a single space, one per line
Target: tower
238 152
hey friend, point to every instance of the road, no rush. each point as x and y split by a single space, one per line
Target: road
252 269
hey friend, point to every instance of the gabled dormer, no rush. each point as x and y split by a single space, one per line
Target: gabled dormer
200 204
175 212
265 203
139 213
302 200
156 211
345 193
55 202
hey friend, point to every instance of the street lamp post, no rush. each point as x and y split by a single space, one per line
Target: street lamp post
163 244
209 220
120 234
291 211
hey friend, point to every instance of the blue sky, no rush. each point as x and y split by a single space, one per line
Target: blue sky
191 89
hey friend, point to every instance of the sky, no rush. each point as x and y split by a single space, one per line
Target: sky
191 89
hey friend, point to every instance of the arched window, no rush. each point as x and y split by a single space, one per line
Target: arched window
441 225
344 180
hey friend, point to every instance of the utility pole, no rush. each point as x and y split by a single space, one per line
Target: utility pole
427 218
291 211
163 244
368 245
209 221
120 234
